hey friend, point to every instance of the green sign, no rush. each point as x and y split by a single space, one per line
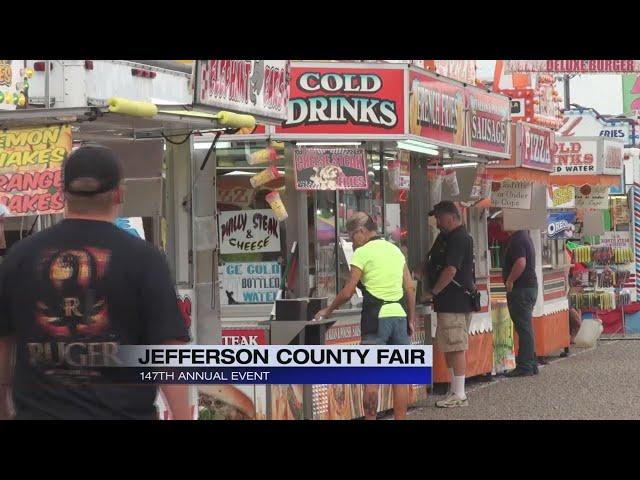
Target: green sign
630 93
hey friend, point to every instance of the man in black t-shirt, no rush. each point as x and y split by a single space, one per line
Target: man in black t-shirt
72 294
450 277
519 275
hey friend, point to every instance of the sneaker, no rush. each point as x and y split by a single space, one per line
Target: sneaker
518 372
453 401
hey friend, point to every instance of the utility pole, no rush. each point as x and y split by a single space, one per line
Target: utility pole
567 100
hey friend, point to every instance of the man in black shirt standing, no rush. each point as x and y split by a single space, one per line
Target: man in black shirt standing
72 294
450 277
519 275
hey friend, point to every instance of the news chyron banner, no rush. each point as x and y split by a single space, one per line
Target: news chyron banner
31 170
270 364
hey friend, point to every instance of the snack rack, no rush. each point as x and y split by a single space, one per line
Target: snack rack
605 283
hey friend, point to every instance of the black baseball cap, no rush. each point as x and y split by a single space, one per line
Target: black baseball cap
92 161
444 207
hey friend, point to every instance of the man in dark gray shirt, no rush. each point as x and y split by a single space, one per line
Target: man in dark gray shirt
519 275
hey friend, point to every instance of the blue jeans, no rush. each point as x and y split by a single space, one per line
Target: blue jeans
520 303
391 331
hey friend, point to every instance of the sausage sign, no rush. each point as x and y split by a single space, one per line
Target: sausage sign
31 169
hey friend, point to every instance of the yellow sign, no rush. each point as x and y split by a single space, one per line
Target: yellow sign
31 169
563 195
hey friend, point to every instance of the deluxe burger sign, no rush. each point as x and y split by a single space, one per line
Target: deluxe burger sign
588 156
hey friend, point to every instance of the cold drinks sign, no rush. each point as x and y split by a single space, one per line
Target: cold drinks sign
587 156
337 100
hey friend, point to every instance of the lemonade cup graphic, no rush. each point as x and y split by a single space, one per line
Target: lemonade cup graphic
414 111
459 135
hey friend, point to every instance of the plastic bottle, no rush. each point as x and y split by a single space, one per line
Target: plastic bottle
590 331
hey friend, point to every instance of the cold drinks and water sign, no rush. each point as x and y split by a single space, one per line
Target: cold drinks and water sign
248 231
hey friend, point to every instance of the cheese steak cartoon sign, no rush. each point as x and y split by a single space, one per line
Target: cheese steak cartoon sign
342 101
449 113
330 169
31 169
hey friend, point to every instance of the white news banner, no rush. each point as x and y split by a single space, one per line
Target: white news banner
276 356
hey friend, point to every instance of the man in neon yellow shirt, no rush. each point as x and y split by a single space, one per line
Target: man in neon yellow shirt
380 270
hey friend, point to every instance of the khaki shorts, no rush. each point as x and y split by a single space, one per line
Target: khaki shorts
452 332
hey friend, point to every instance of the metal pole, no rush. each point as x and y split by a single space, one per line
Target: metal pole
47 71
567 100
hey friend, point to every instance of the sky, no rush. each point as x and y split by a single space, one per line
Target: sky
601 92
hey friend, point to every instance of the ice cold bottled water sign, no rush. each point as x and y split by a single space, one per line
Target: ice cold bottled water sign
257 282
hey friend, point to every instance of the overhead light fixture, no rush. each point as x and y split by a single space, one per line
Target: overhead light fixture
328 144
207 145
244 172
418 147
461 165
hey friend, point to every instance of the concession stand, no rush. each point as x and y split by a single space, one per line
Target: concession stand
519 202
388 139
602 249
168 201
536 109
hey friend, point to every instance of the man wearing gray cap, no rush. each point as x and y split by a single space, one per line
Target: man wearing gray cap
72 294
450 278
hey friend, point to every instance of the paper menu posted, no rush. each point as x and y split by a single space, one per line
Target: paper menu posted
347 249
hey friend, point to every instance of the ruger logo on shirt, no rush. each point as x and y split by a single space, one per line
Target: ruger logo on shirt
72 309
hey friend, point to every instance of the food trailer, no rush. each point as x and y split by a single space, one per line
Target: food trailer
152 130
358 136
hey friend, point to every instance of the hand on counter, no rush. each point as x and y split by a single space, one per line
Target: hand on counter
428 296
324 313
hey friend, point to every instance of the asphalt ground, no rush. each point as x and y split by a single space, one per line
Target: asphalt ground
601 383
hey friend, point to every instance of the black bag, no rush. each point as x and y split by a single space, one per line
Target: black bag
474 297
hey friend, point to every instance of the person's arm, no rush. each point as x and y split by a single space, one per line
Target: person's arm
454 256
7 343
410 295
518 252
447 274
518 267
6 356
177 396
164 324
343 296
